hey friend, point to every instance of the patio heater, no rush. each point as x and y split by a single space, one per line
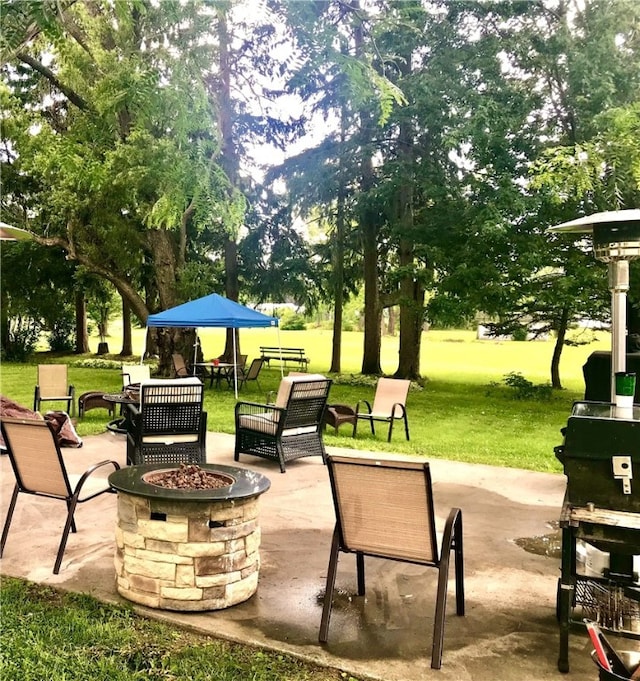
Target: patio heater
616 241
600 450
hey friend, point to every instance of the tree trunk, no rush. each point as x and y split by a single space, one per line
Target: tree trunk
230 162
411 289
368 224
82 334
411 318
179 340
337 257
557 350
127 347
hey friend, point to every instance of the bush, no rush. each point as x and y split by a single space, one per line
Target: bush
61 338
525 389
23 339
290 321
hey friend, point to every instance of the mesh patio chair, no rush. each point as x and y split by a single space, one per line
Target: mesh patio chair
39 469
135 373
53 386
169 425
389 404
288 429
384 508
250 374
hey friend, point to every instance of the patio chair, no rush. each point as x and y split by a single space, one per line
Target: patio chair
384 509
53 386
288 429
135 373
168 425
250 374
39 469
389 404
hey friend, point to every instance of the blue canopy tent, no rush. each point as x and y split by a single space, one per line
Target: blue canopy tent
213 311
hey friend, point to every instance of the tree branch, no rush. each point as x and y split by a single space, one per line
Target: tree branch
72 96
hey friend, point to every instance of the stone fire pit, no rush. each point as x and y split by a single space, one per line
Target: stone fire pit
187 549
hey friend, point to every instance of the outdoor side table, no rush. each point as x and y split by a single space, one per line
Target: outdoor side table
122 424
337 414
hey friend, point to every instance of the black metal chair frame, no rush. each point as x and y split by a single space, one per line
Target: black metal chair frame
291 432
169 425
399 527
31 474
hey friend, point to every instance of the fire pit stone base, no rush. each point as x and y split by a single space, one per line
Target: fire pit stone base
188 555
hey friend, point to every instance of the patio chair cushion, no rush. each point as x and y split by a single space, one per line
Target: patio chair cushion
285 386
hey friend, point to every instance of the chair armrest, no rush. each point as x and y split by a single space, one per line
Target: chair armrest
402 408
365 402
250 408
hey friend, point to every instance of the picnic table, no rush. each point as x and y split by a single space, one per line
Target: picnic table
284 355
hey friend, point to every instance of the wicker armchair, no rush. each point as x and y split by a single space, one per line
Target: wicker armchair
169 425
289 429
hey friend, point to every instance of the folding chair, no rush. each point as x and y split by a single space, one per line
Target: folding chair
251 374
384 508
39 469
389 404
52 386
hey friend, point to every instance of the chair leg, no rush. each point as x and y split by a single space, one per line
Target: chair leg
406 426
360 572
328 592
452 532
7 522
441 605
280 451
458 557
72 503
390 429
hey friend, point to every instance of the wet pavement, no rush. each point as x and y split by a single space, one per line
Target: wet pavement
509 631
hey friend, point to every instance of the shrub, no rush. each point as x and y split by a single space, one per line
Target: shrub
290 321
525 389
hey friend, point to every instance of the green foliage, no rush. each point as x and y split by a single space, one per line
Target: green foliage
22 338
292 321
48 634
523 389
61 336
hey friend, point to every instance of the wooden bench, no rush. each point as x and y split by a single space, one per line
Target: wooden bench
285 355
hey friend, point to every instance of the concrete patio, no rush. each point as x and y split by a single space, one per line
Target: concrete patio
509 631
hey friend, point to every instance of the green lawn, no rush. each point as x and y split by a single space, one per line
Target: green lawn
464 412
47 634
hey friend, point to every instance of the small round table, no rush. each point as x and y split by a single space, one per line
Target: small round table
122 425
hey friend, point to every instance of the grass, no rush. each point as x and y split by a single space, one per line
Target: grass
464 411
47 634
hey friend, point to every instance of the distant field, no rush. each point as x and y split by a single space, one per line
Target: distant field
444 354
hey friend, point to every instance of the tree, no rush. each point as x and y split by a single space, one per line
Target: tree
123 160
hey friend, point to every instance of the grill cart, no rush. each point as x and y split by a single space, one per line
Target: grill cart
601 509
600 522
